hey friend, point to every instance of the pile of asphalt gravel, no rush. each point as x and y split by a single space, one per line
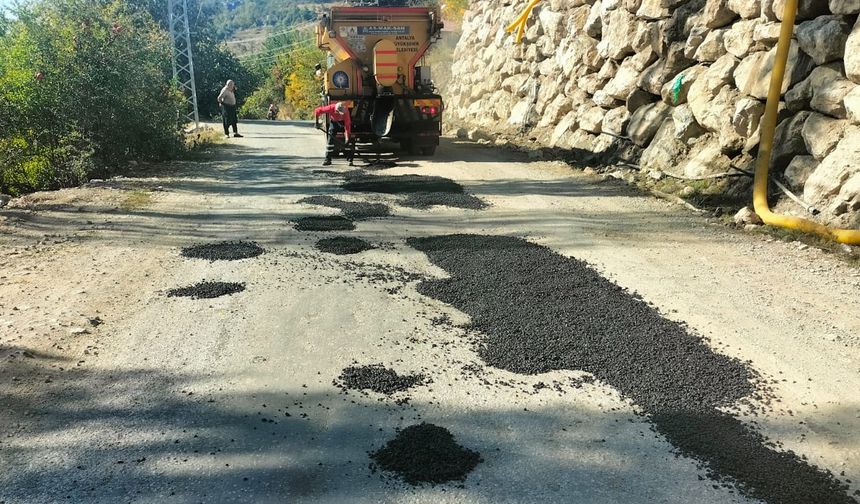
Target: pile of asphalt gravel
343 245
207 290
377 378
324 223
538 311
423 200
426 453
351 209
396 184
223 251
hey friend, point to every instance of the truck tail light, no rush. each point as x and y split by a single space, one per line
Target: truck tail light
432 111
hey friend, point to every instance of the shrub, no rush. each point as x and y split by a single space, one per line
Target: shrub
82 89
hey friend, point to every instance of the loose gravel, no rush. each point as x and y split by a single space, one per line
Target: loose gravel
343 245
352 209
426 453
223 251
324 223
423 200
397 184
377 378
539 311
207 290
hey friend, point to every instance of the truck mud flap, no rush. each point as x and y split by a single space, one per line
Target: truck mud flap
382 116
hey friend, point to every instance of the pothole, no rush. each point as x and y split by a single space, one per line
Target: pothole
343 245
324 223
377 378
591 324
350 209
423 200
396 184
223 251
426 453
207 290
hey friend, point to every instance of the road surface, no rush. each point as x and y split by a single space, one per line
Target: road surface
113 391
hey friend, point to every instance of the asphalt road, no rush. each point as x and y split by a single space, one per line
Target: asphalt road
112 391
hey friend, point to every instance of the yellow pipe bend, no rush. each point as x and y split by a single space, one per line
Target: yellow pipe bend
520 23
768 127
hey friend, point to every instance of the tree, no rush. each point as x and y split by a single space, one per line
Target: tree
83 89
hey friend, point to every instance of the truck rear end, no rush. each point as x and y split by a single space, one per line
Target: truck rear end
374 65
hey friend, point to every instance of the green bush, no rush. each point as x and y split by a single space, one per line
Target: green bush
83 89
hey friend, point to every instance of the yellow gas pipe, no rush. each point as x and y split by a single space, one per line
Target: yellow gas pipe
520 24
768 127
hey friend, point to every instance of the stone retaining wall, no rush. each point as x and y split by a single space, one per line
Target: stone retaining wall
684 80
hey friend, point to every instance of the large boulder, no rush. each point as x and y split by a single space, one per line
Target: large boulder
767 33
619 31
747 9
739 40
591 119
673 61
653 9
553 24
645 122
563 129
798 170
707 160
712 47
594 23
823 38
625 80
821 134
664 150
747 116
852 105
829 97
717 14
558 107
706 88
845 6
806 9
615 121
798 97
675 90
852 53
828 179
639 98
684 125
788 141
754 72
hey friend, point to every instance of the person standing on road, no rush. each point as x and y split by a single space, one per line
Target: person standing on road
339 122
227 100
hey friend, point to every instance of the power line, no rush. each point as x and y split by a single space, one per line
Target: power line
270 52
266 37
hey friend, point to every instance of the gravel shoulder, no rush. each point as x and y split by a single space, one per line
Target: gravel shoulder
117 392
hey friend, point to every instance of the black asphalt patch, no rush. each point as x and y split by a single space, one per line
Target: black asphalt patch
351 209
207 290
324 223
343 245
424 200
397 184
426 453
223 251
377 378
539 311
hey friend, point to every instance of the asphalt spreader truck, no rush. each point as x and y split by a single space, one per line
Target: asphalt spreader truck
375 66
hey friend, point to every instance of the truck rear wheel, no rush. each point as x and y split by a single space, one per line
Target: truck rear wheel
428 150
410 147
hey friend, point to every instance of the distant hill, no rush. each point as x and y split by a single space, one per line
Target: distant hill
235 16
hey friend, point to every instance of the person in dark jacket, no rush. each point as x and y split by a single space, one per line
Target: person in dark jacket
339 122
227 100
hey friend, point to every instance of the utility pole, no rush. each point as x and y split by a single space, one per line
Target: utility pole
183 64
